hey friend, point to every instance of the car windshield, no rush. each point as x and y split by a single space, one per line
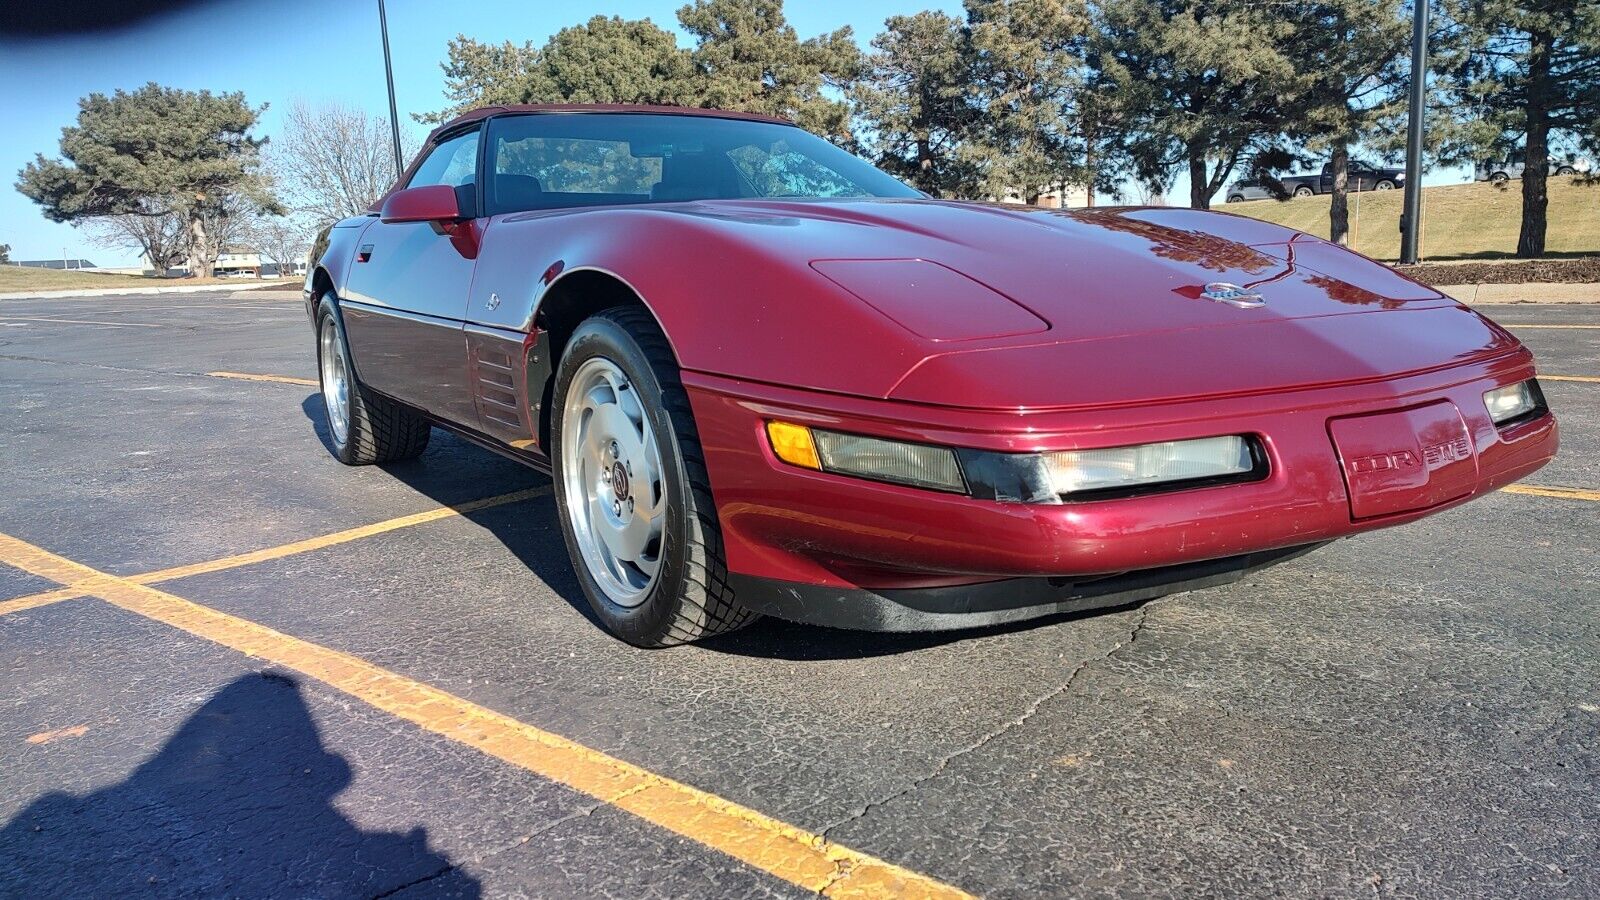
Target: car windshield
557 160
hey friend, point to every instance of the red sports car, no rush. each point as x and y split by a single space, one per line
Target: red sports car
768 378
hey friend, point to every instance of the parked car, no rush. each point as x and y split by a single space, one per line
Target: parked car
1360 176
1500 171
1247 189
768 378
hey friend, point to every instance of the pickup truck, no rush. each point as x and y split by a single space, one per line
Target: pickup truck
1361 177
1500 171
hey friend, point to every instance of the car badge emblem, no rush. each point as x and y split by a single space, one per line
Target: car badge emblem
494 301
1233 295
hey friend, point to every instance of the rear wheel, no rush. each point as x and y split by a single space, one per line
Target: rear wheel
1499 178
1566 170
1235 198
1384 185
363 427
634 496
1303 191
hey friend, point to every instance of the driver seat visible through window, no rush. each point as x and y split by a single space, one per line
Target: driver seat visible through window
697 176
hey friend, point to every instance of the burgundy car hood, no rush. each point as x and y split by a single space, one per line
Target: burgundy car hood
1002 306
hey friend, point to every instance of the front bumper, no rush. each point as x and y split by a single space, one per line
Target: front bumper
790 525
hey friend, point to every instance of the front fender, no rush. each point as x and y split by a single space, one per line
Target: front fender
735 298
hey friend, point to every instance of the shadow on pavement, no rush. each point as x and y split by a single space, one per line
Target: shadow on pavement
453 471
236 804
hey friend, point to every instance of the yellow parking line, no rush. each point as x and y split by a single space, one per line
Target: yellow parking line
34 601
280 379
1592 379
1556 492
45 598
797 856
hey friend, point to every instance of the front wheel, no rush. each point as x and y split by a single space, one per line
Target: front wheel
1567 170
1499 178
363 429
633 493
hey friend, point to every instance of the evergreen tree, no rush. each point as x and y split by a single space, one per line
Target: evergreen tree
748 57
1028 71
156 150
1354 54
915 103
1196 86
612 60
1534 75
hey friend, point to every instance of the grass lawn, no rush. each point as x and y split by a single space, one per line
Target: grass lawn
19 278
1459 221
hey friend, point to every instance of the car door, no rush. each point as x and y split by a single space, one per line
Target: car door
405 300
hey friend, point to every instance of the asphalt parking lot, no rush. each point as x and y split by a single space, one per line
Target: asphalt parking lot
231 666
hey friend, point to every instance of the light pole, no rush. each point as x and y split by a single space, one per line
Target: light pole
1411 218
388 73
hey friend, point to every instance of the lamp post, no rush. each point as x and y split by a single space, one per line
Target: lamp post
1411 218
388 72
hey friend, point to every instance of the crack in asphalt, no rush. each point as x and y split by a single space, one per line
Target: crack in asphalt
1004 727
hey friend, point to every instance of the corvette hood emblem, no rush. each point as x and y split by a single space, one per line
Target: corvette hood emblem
1233 295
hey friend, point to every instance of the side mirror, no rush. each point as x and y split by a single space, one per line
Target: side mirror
434 203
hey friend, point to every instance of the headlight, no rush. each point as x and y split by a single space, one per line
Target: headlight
1050 477
898 462
1514 402
1084 471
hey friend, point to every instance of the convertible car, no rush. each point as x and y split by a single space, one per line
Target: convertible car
768 378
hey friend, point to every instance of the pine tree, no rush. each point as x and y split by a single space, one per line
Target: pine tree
1196 86
1352 53
1028 72
1534 74
155 151
915 103
747 57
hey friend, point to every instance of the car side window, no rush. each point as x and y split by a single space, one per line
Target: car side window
453 162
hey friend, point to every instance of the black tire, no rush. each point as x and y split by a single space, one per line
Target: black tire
1384 185
1303 191
1566 170
1499 178
690 597
380 430
1235 198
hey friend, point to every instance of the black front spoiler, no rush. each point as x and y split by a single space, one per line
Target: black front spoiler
992 602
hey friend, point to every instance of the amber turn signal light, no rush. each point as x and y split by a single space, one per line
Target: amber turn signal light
792 443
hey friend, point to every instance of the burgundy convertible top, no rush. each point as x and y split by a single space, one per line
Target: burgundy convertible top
483 112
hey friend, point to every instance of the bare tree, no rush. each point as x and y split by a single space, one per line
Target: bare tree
225 221
281 239
160 235
333 160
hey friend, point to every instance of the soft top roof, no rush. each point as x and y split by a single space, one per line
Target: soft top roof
484 112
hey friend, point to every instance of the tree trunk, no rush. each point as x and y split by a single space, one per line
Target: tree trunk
925 165
1199 180
201 260
1339 207
1536 155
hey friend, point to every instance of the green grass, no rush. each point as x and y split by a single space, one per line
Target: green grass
19 279
1459 221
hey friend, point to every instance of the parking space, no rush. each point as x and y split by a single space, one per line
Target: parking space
269 674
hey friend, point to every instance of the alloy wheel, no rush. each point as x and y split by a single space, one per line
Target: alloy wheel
611 466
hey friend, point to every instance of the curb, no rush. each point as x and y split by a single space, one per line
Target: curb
129 292
1553 292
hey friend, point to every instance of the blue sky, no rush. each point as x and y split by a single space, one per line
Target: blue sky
310 49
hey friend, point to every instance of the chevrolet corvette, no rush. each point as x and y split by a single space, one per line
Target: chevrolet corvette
769 379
